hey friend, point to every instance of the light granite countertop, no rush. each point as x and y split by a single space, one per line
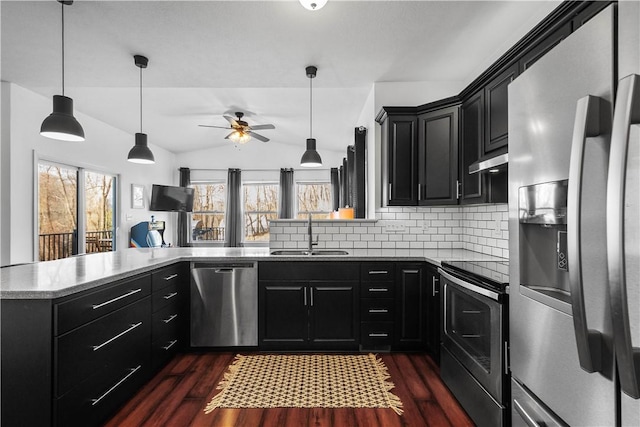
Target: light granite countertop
55 279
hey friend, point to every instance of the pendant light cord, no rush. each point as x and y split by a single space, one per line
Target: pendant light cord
310 107
62 4
140 99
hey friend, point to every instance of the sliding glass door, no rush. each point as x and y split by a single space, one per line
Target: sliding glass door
63 228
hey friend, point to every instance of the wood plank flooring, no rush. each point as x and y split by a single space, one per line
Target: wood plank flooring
177 395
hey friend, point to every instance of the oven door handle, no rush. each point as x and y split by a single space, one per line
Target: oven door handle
589 341
469 286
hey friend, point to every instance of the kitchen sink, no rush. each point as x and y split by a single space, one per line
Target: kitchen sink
306 252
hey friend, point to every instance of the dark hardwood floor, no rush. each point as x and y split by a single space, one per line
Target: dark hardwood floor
177 395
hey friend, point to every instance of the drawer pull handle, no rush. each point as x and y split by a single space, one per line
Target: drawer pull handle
378 290
171 344
173 276
171 295
98 347
378 310
173 316
371 272
135 291
378 335
133 371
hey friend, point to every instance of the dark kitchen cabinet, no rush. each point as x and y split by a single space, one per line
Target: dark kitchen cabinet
433 312
438 157
496 110
471 143
399 137
307 305
542 47
169 299
411 311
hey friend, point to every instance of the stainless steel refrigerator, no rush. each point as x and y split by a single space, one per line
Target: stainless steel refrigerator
572 153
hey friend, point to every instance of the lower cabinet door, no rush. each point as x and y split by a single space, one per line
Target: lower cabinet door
334 315
282 312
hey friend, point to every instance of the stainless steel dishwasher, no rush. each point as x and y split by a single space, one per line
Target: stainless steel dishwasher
224 304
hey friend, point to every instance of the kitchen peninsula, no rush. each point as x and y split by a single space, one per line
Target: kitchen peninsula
132 305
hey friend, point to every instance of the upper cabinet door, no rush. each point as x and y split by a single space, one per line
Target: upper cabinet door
438 157
496 98
471 145
401 167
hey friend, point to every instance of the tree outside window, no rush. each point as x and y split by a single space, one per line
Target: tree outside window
314 198
207 218
260 207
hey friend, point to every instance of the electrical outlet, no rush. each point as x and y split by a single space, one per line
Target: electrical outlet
497 232
128 217
424 225
395 228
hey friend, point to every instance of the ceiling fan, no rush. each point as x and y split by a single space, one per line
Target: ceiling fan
241 132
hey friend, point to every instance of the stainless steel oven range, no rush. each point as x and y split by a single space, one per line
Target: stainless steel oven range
474 358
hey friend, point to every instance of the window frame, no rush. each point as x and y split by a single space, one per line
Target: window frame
245 212
223 213
298 212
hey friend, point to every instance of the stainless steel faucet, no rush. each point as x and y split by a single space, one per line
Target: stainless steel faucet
312 243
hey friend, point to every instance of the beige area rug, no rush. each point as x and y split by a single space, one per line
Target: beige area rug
306 381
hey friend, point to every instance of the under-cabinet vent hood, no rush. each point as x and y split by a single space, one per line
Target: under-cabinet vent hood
490 163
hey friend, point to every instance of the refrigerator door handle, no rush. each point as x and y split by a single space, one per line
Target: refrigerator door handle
587 124
627 112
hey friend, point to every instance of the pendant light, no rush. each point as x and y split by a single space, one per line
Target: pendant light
311 158
313 4
61 124
140 153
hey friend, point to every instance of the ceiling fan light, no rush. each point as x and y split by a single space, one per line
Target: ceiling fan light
311 158
313 4
61 124
140 153
240 137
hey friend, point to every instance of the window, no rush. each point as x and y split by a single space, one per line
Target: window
61 219
207 218
314 198
260 206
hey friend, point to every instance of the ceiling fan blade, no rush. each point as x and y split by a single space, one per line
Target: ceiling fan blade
261 127
218 127
231 120
258 136
227 137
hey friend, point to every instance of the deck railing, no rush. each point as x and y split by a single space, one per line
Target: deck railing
215 234
62 245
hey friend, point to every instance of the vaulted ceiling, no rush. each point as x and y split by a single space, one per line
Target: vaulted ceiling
208 58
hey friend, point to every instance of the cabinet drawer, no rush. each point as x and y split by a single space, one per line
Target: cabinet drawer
376 290
95 347
376 309
168 276
94 401
166 296
376 272
165 325
75 312
376 333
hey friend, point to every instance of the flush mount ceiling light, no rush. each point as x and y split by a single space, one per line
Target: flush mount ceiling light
61 124
140 153
311 158
313 4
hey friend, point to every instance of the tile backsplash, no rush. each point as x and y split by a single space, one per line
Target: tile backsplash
480 228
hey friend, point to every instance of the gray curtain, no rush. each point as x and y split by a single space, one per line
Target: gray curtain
335 189
183 217
234 217
287 196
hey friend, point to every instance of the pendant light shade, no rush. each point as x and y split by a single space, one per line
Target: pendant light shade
61 124
311 158
313 4
140 153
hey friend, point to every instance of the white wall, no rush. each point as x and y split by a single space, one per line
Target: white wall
367 119
412 94
105 149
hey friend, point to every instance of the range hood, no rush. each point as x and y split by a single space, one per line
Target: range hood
489 163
